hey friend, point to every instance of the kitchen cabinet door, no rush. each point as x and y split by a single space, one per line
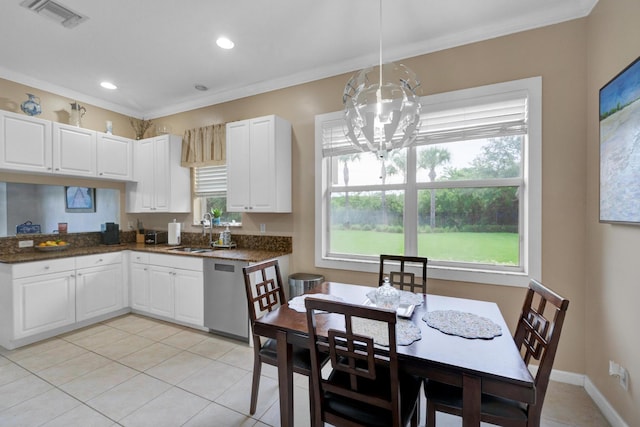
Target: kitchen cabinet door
145 174
162 174
189 294
264 145
25 143
139 283
162 185
115 157
99 290
43 302
161 291
262 163
74 151
238 174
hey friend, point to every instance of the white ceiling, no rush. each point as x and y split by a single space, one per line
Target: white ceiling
155 51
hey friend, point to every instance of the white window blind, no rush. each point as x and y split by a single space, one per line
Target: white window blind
478 118
334 138
482 117
210 181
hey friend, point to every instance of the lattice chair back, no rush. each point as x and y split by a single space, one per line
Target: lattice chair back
397 269
538 333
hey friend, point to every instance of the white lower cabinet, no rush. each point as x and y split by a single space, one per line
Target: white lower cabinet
169 286
100 285
139 280
43 303
36 297
189 296
161 295
43 298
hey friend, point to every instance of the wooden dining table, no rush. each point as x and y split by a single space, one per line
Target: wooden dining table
492 366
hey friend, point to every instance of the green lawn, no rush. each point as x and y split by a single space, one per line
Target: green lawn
493 248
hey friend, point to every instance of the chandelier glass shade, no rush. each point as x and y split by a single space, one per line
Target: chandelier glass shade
382 109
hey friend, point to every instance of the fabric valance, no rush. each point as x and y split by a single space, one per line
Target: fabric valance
205 146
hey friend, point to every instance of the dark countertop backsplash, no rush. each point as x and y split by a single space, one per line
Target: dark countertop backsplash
249 247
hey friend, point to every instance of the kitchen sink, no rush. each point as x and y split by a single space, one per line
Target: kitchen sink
191 250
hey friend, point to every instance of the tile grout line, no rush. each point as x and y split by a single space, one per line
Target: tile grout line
64 338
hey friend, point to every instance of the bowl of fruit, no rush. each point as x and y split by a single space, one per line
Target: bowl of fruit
52 245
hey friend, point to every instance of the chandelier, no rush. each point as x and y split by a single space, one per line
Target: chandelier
382 109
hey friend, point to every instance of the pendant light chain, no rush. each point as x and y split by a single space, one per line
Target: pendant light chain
381 148
380 38
382 116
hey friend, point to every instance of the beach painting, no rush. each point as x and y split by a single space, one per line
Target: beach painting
620 147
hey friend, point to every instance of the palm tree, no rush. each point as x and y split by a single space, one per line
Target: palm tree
429 160
345 174
398 164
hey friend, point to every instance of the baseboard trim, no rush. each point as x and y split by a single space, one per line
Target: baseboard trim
583 381
607 410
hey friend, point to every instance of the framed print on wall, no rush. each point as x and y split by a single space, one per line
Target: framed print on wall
80 199
620 147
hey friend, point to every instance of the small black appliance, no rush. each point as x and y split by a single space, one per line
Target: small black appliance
110 234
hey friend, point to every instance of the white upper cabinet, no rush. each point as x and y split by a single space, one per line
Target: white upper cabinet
115 157
74 151
29 144
259 165
25 143
162 185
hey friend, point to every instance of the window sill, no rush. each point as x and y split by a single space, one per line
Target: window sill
487 277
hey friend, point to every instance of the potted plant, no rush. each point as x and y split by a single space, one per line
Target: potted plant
217 213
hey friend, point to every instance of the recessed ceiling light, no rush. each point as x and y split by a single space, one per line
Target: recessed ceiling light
201 87
225 43
108 85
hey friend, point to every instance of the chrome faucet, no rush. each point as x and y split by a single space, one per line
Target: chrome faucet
204 225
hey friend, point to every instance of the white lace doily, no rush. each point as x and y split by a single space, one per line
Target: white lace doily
467 325
406 331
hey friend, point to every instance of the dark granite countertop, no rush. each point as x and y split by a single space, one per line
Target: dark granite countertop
248 255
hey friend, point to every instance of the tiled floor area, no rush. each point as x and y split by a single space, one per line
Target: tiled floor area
137 371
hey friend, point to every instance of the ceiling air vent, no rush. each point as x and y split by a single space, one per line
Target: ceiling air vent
53 10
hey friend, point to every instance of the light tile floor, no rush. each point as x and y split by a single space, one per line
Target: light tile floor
136 371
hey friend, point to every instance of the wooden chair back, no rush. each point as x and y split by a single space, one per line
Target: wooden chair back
396 269
263 284
352 355
538 334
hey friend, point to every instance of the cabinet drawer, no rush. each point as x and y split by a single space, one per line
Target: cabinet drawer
43 267
97 260
139 257
176 261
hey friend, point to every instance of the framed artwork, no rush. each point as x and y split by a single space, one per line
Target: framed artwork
80 199
620 147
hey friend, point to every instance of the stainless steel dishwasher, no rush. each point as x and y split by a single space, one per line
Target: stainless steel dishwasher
225 300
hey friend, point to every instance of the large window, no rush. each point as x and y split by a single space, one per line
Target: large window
466 194
210 188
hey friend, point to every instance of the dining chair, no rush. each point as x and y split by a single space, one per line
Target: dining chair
265 293
537 336
403 279
365 387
